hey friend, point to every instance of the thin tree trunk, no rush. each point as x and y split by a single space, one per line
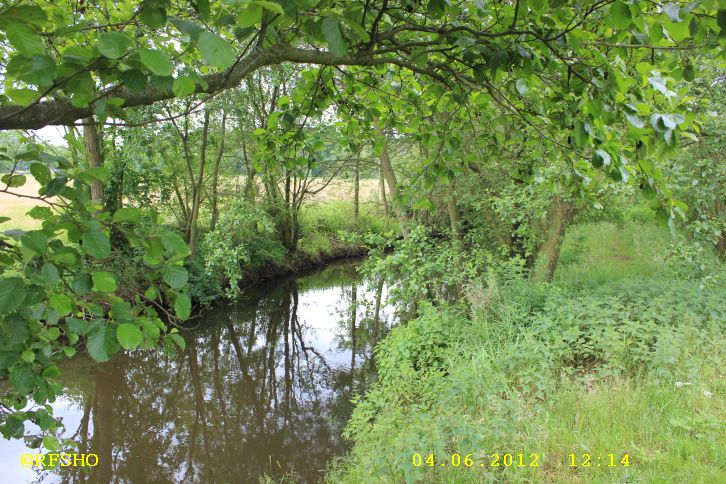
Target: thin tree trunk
453 212
561 213
720 211
93 155
249 188
382 191
356 192
215 176
197 186
390 177
287 220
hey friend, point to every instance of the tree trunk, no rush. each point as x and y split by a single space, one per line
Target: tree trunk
197 187
382 191
720 211
356 192
721 246
215 176
286 222
93 156
390 177
561 213
453 212
249 189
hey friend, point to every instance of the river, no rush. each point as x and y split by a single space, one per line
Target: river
263 387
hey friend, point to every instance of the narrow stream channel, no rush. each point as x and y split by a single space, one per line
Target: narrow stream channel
263 387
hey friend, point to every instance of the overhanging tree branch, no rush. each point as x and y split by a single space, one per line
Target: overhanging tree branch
60 111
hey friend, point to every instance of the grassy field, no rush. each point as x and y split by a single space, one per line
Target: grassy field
336 192
17 208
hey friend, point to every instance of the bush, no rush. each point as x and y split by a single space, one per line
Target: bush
225 250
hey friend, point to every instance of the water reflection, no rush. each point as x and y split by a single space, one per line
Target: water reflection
262 387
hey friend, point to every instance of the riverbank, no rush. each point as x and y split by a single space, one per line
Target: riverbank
615 372
301 262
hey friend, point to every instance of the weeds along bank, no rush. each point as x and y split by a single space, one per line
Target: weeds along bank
622 354
247 244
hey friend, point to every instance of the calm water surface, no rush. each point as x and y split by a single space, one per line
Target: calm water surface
264 386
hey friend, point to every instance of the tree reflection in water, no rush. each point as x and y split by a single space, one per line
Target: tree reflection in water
262 387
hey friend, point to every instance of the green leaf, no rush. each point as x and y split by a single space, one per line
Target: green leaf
579 135
51 372
620 16
175 276
127 214
23 97
250 16
22 379
24 38
101 342
49 273
157 62
673 11
152 15
39 69
61 303
271 6
51 443
13 181
26 13
215 50
96 242
522 86
182 306
28 356
40 213
601 158
333 36
56 186
113 45
41 173
129 336
134 79
81 284
721 19
36 241
174 243
202 7
178 340
191 29
103 281
183 86
436 8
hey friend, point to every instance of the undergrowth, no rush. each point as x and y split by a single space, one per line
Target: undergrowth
623 354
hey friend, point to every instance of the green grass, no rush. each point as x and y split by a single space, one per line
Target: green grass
333 216
17 209
589 364
593 254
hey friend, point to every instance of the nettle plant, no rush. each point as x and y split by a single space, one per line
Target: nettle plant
56 297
